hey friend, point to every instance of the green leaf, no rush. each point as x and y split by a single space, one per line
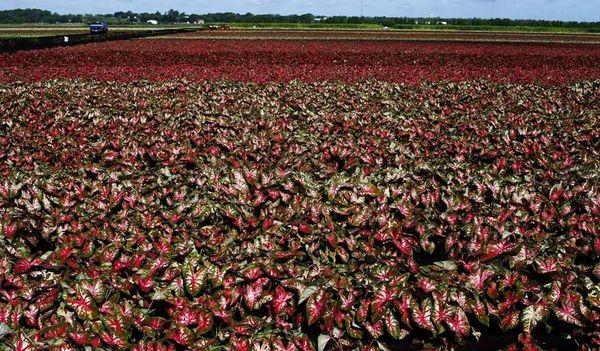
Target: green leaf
4 330
322 342
446 265
532 316
306 293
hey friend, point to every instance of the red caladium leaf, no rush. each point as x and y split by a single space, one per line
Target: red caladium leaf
480 311
113 340
205 322
403 306
280 299
547 265
97 289
441 312
459 324
56 331
181 335
422 315
597 270
83 305
23 343
80 337
361 217
194 277
25 265
315 306
567 313
393 326
478 279
496 249
240 344
510 320
253 293
354 330
375 329
118 324
379 301
304 343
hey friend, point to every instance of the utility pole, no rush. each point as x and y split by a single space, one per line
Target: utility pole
361 8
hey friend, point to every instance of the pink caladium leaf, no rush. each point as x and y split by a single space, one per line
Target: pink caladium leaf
427 285
279 345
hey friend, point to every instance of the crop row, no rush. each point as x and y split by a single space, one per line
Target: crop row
284 216
271 60
395 35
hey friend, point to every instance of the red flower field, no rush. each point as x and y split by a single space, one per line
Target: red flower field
224 204
272 60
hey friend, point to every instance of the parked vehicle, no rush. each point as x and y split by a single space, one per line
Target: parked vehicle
99 28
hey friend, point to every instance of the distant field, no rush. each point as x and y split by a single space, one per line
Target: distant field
415 27
427 35
332 34
40 30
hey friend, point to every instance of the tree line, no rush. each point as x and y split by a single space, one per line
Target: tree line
20 16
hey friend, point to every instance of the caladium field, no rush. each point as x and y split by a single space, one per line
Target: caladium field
309 214
311 60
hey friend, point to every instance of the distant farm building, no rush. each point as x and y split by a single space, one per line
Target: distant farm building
153 22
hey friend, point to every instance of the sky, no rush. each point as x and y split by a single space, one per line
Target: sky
576 10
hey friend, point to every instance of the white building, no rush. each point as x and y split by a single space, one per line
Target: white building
152 22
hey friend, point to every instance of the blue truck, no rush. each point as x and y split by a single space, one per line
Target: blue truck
99 28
